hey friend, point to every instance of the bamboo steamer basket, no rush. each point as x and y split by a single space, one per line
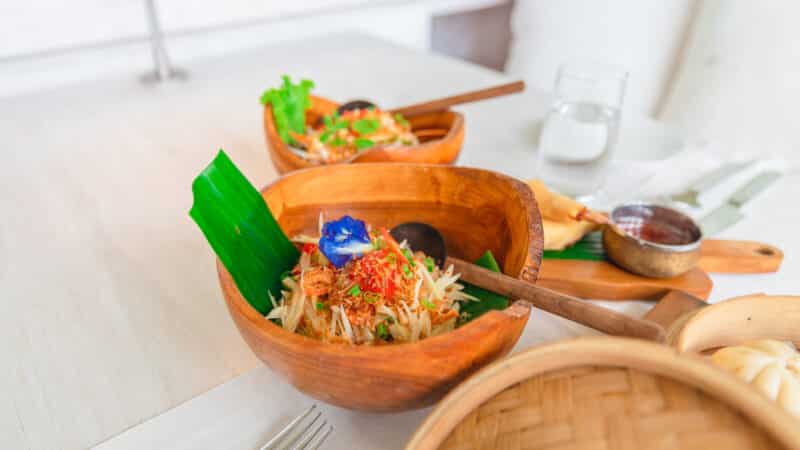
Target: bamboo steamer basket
604 393
736 321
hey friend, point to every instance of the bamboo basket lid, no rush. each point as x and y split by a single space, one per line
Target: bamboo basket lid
604 393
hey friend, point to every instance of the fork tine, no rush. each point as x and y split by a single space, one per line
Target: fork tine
287 429
309 437
290 443
322 439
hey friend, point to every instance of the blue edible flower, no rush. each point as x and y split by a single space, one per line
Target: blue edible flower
343 240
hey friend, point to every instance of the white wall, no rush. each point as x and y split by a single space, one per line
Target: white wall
39 25
739 83
641 35
111 35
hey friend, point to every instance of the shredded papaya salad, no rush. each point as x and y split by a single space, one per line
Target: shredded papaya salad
338 137
342 137
357 285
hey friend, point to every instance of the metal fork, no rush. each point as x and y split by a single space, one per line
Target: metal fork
300 433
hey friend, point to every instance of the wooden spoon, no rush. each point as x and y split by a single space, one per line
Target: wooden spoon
441 104
425 238
572 308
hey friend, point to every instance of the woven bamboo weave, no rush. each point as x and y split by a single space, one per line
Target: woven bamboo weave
604 408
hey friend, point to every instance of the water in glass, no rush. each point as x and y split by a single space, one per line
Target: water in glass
580 132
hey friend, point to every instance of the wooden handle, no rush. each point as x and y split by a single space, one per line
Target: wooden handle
467 97
585 313
726 256
673 306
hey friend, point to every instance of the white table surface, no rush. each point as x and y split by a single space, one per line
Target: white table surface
110 312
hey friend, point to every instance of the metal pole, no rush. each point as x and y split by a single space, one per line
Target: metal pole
162 69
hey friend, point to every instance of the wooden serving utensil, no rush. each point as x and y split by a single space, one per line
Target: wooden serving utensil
441 104
423 237
580 311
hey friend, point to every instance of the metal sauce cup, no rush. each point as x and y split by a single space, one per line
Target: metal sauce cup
651 240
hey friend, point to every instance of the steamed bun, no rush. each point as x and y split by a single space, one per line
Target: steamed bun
772 367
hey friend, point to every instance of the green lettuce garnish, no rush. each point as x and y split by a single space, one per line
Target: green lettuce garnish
242 231
289 105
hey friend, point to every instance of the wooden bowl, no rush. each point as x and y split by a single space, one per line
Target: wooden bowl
739 320
444 150
604 393
475 210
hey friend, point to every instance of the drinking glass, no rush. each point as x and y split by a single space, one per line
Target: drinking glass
580 131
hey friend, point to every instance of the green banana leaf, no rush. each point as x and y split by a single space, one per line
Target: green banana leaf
590 248
488 300
242 231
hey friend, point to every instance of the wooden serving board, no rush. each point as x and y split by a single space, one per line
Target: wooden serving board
603 280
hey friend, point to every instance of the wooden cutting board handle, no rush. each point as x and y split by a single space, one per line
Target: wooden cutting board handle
672 307
728 256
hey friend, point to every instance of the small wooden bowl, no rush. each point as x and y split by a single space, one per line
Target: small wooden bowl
739 320
476 210
444 150
604 393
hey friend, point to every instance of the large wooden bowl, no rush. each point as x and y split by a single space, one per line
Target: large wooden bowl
444 150
475 210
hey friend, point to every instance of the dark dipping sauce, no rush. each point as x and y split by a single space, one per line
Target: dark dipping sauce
656 224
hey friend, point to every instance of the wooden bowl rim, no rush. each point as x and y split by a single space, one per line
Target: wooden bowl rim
282 148
692 328
598 351
517 309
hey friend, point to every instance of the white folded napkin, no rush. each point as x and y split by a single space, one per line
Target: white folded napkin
631 180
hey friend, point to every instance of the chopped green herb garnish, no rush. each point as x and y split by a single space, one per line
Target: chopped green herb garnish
406 271
392 258
371 298
389 320
382 331
400 119
363 143
376 244
333 124
409 256
428 304
429 263
320 306
366 126
355 290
